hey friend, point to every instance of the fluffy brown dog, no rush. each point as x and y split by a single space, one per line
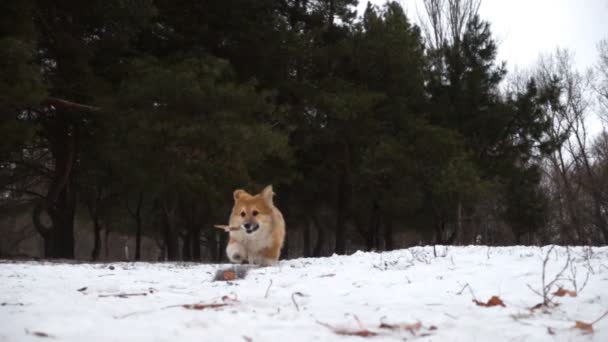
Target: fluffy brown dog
256 227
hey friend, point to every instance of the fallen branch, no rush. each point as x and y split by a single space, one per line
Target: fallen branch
203 306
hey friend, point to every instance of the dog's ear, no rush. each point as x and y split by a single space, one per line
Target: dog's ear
267 194
239 193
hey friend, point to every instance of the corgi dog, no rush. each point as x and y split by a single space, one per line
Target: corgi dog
256 227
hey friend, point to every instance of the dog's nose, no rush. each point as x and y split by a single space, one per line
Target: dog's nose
247 225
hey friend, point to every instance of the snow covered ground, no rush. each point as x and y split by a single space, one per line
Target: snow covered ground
401 295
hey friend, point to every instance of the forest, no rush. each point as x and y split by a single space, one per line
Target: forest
377 130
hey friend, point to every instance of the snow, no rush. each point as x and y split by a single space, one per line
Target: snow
311 299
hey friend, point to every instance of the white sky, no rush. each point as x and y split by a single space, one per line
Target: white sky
526 28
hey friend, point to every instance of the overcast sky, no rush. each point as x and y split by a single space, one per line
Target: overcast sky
526 28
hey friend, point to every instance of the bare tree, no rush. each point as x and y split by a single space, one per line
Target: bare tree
445 21
579 201
601 73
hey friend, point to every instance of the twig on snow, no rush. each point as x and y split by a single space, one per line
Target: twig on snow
470 290
293 299
268 289
123 295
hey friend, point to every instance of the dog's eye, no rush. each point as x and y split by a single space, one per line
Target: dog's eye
255 213
242 214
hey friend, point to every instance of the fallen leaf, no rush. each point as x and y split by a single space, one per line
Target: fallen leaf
82 289
229 275
432 327
493 301
550 331
563 292
247 338
585 327
203 306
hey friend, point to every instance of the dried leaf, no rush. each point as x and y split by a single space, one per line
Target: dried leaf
550 331
563 292
203 306
247 338
82 289
229 275
346 332
493 301
585 327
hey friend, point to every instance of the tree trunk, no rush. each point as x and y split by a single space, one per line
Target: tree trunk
318 249
341 215
97 239
138 239
372 240
106 245
60 202
187 247
169 233
306 239
136 214
196 243
388 235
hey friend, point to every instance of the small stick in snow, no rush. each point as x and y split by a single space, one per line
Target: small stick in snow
470 290
451 316
293 299
327 275
268 289
133 314
123 295
39 334
11 304
600 318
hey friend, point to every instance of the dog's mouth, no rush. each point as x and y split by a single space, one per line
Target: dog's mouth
250 228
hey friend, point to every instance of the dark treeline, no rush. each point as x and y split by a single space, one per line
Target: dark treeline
140 117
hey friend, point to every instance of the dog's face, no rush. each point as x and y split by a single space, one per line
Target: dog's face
252 212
